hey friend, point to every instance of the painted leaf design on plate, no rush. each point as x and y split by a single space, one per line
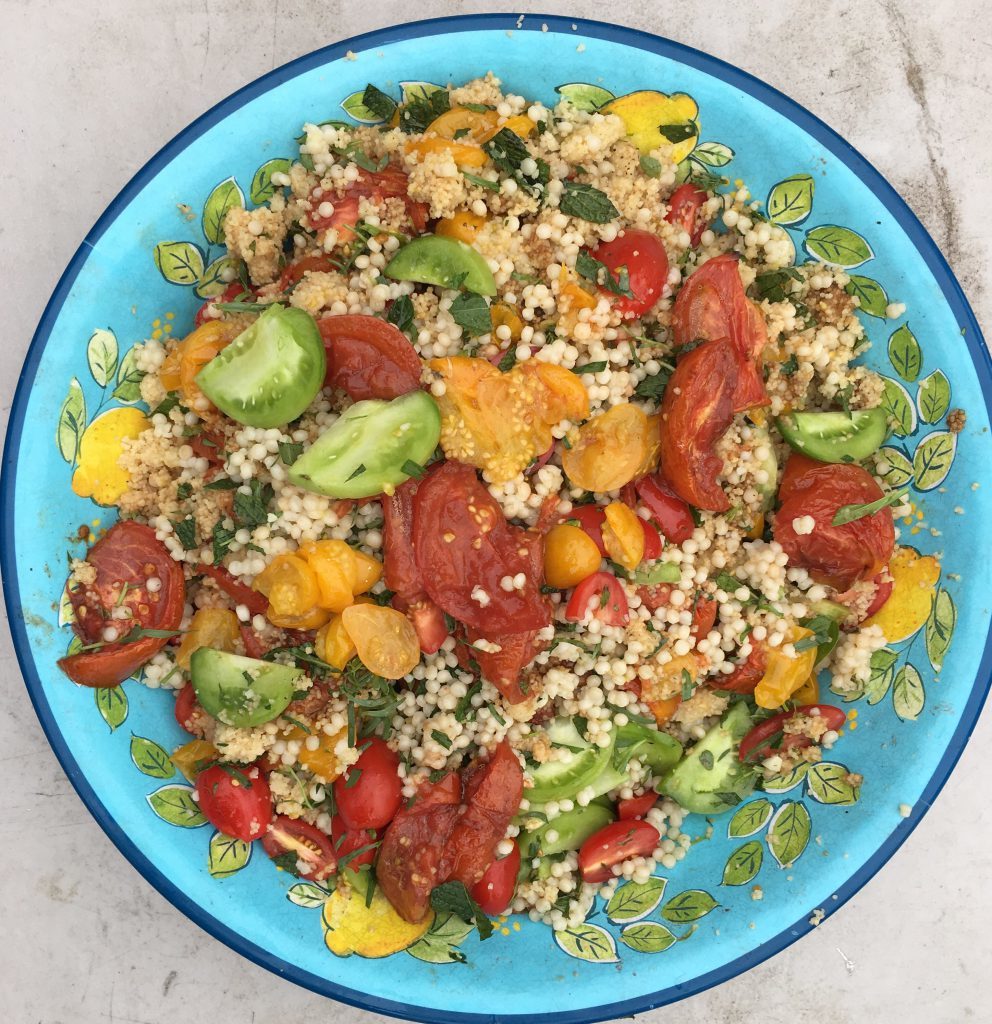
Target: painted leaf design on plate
899 407
744 863
783 783
840 247
224 197
635 900
712 154
648 937
417 90
749 819
940 628
175 804
111 702
790 201
882 673
897 469
217 276
908 694
933 397
905 353
129 378
932 459
584 96
588 942
307 894
690 905
828 783
67 614
179 262
72 422
261 189
352 105
788 832
440 944
226 855
148 757
871 294
102 354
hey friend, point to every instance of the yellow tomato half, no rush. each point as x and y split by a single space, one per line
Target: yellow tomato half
784 675
291 586
623 535
609 449
191 758
211 627
385 640
463 225
570 555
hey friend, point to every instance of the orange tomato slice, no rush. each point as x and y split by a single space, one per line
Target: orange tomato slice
609 449
384 638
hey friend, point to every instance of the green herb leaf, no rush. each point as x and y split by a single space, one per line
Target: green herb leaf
378 102
596 367
506 150
652 388
471 313
650 166
183 491
441 738
290 451
423 108
454 898
252 509
413 469
850 513
594 270
587 203
185 530
789 367
221 542
400 313
492 186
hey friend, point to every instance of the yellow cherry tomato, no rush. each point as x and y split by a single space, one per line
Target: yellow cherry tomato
191 758
463 225
520 125
468 125
185 361
322 760
385 640
663 693
366 572
333 563
211 627
650 463
757 527
572 297
623 535
809 692
464 154
333 644
663 710
570 556
291 586
784 675
609 449
505 315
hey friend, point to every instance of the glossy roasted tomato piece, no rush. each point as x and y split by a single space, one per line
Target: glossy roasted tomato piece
368 357
389 183
747 673
652 541
636 806
464 547
590 518
494 890
236 801
369 793
503 668
671 514
614 844
704 611
883 591
570 555
601 596
647 267
354 848
239 592
313 849
298 269
683 210
836 555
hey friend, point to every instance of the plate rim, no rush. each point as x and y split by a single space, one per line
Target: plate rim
563 25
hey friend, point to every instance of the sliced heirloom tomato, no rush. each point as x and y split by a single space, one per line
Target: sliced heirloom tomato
611 449
754 748
494 890
125 560
369 793
644 256
600 596
836 555
614 844
313 849
683 210
236 801
670 513
368 357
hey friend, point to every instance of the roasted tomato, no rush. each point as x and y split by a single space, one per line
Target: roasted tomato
611 449
495 888
368 357
636 806
747 673
498 421
647 269
836 555
464 549
503 668
369 793
126 559
313 849
377 186
298 269
695 413
683 210
239 592
671 514
590 518
753 747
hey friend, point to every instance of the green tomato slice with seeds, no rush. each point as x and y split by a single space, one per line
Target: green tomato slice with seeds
374 445
445 262
271 372
835 436
241 692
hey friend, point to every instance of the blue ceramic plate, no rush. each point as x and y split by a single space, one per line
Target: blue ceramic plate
143 270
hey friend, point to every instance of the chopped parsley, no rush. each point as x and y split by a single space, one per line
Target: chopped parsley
400 313
789 367
221 541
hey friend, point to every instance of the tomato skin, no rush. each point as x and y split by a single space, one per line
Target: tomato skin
368 357
428 622
652 542
703 615
298 269
646 261
317 852
751 749
462 542
590 518
636 806
615 612
239 592
229 294
232 808
503 667
616 842
494 890
696 410
883 591
187 710
747 673
670 513
836 555
348 840
683 210
389 183
373 800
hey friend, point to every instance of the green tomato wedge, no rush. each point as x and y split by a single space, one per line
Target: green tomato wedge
241 692
371 447
835 436
446 262
271 372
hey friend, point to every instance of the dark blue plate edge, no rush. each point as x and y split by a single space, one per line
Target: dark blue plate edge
713 66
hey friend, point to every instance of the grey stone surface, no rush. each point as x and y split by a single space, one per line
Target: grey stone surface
90 90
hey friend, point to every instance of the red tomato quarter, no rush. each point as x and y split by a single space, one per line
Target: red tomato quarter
636 806
683 210
614 844
389 183
229 294
599 596
671 514
369 793
752 748
494 890
590 518
647 268
236 801
313 850
348 842
368 357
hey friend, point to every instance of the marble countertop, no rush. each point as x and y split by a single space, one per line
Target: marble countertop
92 89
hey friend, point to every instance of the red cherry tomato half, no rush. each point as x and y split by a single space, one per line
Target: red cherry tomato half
369 793
752 748
671 514
494 890
427 620
683 210
636 806
590 518
600 595
298 269
368 357
236 801
229 294
614 844
186 709
353 847
647 268
313 850
883 591
652 542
